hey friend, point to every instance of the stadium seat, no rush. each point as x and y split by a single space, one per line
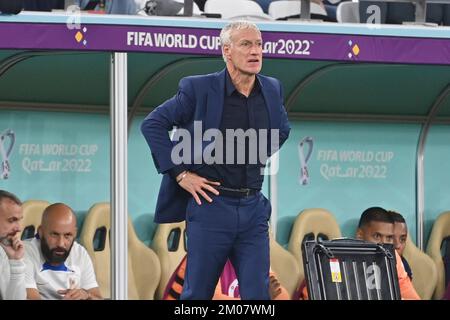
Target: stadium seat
439 234
347 12
32 215
311 224
236 9
423 270
144 270
285 266
287 8
170 246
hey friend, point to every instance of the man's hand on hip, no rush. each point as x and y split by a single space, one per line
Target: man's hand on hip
196 185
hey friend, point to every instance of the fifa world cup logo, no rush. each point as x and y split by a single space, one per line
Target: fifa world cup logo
7 140
304 174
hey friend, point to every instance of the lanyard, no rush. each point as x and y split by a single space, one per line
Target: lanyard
5 152
304 175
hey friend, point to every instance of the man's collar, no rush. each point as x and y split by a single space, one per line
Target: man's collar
230 88
60 267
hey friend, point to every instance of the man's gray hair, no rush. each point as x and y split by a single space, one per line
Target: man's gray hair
225 34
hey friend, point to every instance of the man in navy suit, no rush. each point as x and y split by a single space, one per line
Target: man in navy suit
233 116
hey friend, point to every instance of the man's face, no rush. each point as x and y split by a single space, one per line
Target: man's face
10 217
244 53
377 232
400 236
56 240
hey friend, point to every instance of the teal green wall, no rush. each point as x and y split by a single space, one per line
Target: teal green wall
392 184
437 175
345 197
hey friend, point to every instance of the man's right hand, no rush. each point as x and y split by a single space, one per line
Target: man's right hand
274 287
196 185
16 250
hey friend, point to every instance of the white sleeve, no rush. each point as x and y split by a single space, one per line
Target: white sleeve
30 281
15 289
88 280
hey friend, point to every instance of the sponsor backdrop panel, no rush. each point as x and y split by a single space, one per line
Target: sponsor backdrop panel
352 166
58 157
62 157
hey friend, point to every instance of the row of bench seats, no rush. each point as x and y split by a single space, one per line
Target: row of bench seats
151 268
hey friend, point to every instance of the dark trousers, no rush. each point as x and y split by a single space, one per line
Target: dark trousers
234 228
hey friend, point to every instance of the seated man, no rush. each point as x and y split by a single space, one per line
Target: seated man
400 237
12 267
227 288
377 225
57 267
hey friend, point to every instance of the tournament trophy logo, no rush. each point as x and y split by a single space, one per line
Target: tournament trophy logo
304 174
7 140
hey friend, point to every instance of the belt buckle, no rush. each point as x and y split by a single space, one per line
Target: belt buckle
246 191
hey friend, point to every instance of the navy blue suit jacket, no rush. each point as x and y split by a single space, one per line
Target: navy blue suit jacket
199 98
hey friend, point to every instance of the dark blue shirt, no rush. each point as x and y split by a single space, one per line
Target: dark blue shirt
239 112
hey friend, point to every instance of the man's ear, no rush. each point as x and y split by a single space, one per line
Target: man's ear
359 234
39 232
226 50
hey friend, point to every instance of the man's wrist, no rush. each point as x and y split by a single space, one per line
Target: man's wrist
175 171
88 295
181 176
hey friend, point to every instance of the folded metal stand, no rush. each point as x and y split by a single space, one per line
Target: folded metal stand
348 269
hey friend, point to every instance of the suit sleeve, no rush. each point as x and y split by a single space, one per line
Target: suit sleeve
156 126
285 127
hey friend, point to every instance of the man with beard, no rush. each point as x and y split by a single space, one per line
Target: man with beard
57 267
12 267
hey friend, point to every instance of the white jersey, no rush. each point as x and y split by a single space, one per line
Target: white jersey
12 278
76 272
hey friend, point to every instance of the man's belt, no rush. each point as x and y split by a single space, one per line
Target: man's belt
236 193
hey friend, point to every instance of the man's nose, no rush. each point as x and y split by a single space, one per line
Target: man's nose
255 49
17 228
61 242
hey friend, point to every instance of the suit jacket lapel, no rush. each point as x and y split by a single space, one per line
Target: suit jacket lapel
214 104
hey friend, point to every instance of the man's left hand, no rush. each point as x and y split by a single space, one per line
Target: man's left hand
74 294
16 250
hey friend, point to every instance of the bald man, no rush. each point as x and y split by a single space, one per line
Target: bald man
57 267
